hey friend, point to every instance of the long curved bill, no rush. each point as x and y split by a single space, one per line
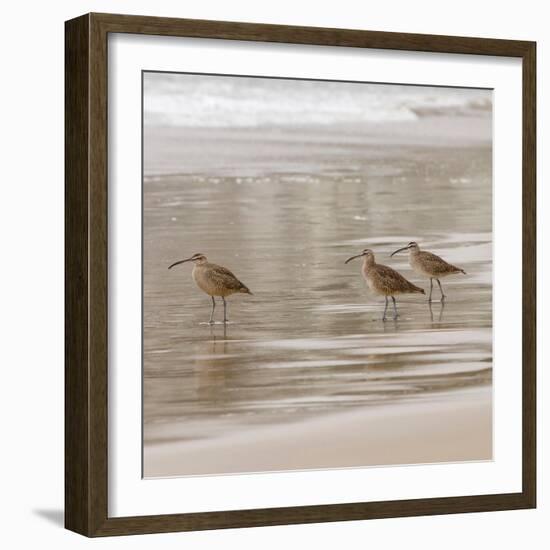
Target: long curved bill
400 250
178 263
353 258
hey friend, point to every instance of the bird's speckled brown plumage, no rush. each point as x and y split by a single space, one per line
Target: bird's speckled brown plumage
217 280
431 265
386 281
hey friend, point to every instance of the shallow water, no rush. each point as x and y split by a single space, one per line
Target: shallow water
310 341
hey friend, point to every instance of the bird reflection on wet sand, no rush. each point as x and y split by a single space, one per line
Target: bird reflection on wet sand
440 308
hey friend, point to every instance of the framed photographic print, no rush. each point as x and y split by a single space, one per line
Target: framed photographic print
300 275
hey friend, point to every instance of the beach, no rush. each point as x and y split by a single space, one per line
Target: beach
306 375
455 430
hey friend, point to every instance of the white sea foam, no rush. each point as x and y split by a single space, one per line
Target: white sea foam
227 101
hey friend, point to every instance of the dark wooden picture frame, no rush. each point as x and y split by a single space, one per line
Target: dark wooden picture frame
86 288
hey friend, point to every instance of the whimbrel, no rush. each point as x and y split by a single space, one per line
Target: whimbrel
384 280
429 265
214 280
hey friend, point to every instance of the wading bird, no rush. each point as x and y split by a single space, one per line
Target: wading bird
214 280
384 280
429 265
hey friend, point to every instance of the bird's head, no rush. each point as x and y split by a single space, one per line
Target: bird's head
367 253
197 258
411 247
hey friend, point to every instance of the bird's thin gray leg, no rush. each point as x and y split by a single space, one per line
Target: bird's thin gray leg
224 310
394 308
431 288
441 289
212 312
385 309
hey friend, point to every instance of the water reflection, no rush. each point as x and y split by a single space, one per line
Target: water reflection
310 340
210 372
439 315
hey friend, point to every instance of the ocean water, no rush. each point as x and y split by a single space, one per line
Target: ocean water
203 101
253 175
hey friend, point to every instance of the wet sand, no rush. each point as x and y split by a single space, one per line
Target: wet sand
306 364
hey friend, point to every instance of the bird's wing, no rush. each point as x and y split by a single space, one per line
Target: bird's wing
224 277
435 264
392 279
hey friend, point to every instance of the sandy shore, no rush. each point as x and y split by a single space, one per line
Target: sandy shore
458 429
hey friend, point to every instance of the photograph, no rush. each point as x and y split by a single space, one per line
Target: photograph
317 274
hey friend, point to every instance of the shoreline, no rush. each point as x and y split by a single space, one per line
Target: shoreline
456 430
186 149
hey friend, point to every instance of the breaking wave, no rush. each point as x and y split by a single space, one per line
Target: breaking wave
232 101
